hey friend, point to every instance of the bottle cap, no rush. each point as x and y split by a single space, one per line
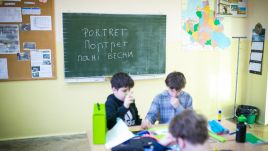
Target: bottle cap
219 111
242 118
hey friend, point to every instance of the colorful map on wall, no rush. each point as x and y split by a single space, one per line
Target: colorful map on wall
203 30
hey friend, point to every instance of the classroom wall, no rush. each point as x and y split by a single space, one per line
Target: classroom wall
256 89
54 107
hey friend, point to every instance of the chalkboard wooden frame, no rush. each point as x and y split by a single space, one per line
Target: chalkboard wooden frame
99 45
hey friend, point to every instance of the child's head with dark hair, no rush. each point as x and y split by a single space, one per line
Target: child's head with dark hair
175 80
121 84
189 126
120 80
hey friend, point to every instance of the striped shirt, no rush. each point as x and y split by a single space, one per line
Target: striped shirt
162 110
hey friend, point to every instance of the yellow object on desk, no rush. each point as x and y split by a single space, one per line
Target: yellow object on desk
217 137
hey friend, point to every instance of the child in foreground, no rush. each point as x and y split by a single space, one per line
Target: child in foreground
189 131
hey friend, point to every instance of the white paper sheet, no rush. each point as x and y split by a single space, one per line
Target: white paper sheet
41 63
255 66
257 46
10 4
3 68
10 14
118 134
9 39
256 56
29 3
41 23
31 11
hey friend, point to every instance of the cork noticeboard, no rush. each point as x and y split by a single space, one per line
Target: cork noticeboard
27 40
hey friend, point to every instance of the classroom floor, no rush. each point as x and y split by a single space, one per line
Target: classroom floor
77 142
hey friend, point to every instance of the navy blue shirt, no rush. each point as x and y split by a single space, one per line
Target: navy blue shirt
115 109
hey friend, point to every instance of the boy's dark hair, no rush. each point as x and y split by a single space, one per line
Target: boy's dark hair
189 126
175 80
121 79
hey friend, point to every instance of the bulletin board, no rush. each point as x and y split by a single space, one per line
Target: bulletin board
27 40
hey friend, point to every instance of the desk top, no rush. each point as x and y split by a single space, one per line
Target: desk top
230 144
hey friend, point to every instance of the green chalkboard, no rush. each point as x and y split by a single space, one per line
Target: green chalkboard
103 44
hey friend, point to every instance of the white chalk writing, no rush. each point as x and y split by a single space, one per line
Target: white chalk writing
110 43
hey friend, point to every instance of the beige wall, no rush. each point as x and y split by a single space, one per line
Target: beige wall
52 107
256 89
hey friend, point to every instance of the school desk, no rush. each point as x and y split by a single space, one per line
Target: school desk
229 144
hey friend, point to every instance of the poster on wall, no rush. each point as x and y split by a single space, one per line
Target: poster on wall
3 68
257 48
9 39
202 29
41 63
233 8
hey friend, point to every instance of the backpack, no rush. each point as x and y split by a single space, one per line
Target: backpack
140 143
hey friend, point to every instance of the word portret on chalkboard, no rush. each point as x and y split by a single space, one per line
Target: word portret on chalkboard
112 47
102 44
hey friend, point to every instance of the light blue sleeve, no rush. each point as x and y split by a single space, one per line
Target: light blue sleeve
153 112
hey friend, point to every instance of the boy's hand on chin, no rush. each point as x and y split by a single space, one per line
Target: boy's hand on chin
128 100
174 102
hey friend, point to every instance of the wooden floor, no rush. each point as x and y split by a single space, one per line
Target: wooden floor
77 142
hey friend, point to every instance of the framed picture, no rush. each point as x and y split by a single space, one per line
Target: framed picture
233 8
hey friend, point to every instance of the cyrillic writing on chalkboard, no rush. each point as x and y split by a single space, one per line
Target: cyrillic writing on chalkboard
109 42
102 44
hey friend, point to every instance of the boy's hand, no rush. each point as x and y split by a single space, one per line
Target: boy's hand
174 102
168 140
128 99
146 124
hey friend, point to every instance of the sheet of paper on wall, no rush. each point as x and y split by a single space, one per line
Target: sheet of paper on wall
9 39
29 3
12 0
41 23
256 56
10 14
118 134
29 45
41 63
23 56
10 4
31 11
3 68
257 46
255 66
25 27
